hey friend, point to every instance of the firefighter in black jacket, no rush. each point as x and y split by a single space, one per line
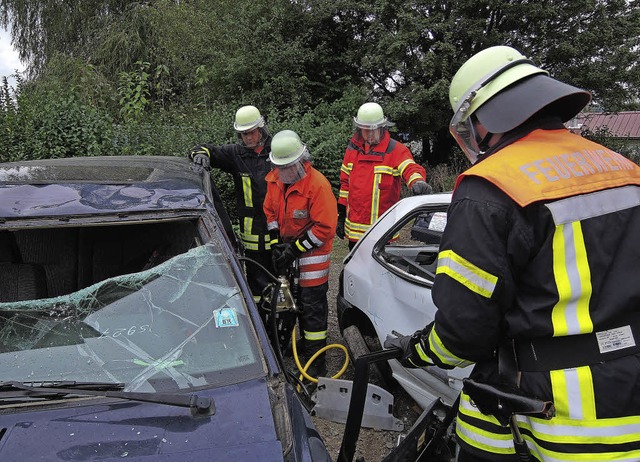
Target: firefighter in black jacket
248 162
537 276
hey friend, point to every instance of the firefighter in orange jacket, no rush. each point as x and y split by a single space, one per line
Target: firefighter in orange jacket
371 172
301 214
537 277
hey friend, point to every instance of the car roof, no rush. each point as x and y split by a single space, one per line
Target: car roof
100 185
100 170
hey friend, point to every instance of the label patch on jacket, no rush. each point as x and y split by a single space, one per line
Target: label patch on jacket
615 339
300 214
226 317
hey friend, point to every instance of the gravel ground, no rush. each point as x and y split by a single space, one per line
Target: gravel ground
373 445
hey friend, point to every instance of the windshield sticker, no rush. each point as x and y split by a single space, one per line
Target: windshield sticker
226 317
438 221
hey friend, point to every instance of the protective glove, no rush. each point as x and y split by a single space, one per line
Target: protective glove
342 213
283 256
201 155
420 187
413 355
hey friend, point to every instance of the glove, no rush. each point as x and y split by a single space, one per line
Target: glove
413 355
201 155
420 187
283 255
342 212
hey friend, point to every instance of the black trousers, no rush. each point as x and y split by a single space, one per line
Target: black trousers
314 318
256 277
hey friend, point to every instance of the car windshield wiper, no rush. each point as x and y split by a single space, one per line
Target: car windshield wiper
49 390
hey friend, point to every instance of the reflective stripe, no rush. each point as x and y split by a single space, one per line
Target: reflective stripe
573 394
422 354
248 193
582 440
300 246
466 273
347 168
385 170
414 177
273 225
306 275
403 165
577 208
570 316
247 225
375 197
317 242
343 194
321 335
314 260
252 241
444 355
362 227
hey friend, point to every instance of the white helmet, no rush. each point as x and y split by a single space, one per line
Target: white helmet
248 118
286 148
371 116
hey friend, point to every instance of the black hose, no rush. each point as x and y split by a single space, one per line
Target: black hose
273 321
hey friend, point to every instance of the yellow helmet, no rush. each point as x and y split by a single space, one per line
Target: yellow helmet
286 148
502 89
248 118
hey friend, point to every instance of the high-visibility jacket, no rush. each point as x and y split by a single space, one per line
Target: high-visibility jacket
542 247
306 208
370 181
248 169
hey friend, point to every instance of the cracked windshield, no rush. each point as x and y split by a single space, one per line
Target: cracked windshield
179 325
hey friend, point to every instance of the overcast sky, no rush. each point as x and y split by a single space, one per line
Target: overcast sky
9 61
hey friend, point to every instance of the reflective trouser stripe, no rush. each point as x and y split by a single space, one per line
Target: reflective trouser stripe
570 316
315 335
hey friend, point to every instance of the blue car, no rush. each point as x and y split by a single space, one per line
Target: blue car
127 329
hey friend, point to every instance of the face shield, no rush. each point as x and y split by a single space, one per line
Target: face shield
371 133
291 173
462 126
251 138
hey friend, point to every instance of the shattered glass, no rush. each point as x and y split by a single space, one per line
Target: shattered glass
179 325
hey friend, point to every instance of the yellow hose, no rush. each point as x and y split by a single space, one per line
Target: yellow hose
303 370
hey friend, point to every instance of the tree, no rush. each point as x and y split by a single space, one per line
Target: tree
407 50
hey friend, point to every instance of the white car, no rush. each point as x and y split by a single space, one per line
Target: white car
385 289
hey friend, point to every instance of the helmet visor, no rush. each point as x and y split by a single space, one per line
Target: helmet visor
291 173
464 133
461 125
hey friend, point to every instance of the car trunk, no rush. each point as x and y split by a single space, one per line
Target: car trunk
48 262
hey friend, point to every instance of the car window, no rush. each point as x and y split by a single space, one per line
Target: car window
178 325
410 248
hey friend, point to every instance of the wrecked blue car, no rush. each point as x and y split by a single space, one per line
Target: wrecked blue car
127 329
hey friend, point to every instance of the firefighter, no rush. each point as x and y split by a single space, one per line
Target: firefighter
248 163
371 172
301 212
537 272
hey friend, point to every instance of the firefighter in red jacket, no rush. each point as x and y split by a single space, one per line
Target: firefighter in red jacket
371 172
537 277
301 215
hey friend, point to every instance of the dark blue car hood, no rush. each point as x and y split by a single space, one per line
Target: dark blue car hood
242 429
